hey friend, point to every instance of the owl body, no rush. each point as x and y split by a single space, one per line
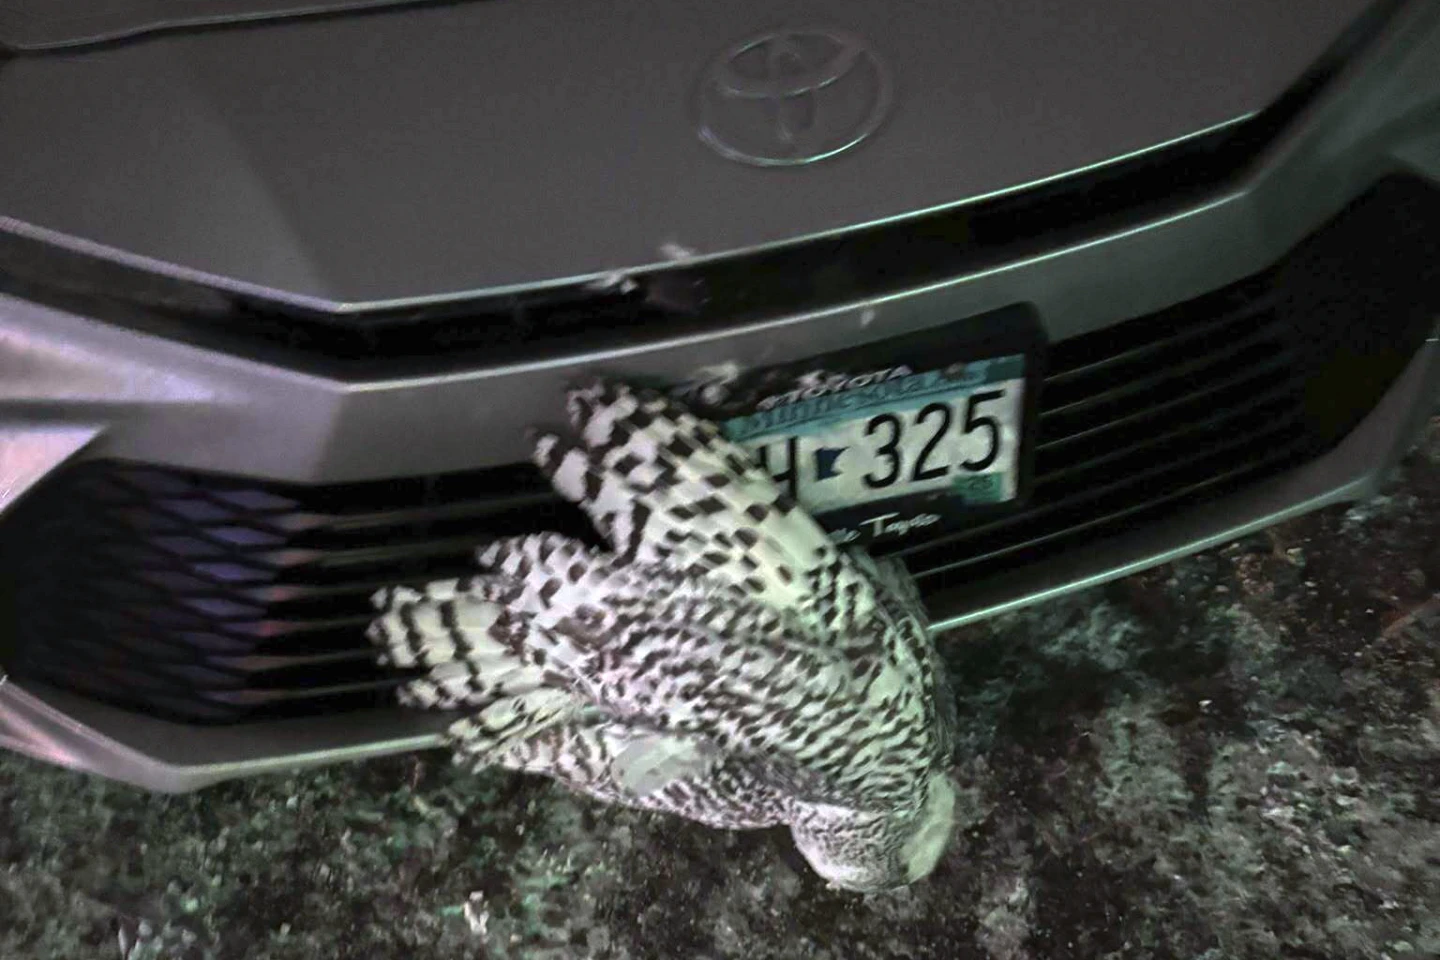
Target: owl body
723 661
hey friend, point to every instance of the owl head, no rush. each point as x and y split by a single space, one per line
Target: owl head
870 852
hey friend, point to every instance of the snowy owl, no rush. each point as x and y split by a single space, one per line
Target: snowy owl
724 660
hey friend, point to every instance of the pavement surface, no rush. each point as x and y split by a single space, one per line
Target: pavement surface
1233 756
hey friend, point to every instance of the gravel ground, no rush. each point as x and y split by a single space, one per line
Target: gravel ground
1237 755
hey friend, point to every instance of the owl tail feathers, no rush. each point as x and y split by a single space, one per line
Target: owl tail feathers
497 735
459 648
552 733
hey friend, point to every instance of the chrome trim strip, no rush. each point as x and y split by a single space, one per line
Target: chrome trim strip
61 728
30 451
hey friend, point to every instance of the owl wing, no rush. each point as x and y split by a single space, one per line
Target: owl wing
518 684
667 488
720 621
557 637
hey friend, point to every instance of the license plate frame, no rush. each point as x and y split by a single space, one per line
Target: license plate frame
912 372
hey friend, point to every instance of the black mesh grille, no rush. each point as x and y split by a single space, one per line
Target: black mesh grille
215 599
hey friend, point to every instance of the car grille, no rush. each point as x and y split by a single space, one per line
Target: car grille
216 599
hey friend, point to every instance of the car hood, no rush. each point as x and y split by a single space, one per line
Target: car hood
386 156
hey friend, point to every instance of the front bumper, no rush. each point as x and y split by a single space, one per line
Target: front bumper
76 389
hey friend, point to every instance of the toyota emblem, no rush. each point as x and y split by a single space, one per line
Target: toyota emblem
792 97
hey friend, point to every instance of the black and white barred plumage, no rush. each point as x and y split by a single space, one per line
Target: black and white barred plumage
725 661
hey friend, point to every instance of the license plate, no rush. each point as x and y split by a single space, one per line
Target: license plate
902 439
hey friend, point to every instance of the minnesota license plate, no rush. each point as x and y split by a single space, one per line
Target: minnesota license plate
898 451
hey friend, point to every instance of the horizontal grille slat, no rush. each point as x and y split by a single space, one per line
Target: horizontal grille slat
1277 402
218 599
1113 521
267 696
261 663
1165 344
1078 494
1255 379
357 558
477 510
1089 506
1157 389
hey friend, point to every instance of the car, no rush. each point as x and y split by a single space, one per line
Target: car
1032 296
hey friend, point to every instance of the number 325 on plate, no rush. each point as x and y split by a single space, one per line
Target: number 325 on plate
939 437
